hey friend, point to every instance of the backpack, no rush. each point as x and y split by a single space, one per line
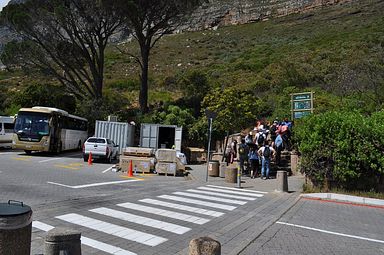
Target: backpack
267 152
260 139
242 149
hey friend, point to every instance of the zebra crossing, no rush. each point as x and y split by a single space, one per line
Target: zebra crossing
186 209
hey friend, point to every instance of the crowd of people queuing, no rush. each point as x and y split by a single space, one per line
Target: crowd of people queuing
264 143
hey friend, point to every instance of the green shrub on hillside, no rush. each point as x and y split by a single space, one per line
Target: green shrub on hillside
342 149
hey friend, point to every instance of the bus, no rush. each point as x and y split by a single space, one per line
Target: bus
6 131
48 129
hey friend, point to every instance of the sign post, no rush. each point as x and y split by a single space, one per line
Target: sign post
210 115
301 104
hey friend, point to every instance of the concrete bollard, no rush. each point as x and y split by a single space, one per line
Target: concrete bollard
62 241
213 168
204 246
231 174
282 181
223 166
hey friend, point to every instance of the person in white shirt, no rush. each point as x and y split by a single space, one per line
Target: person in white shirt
266 152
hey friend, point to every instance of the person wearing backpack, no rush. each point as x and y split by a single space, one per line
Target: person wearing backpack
260 138
253 161
266 153
243 154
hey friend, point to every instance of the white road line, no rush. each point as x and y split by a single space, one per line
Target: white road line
221 195
231 192
199 202
106 170
245 190
112 229
170 227
51 159
331 232
182 207
105 247
212 198
92 184
88 241
8 153
165 213
41 226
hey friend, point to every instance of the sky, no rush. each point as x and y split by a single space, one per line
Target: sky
3 3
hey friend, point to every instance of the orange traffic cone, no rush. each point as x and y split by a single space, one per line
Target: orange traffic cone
130 174
90 159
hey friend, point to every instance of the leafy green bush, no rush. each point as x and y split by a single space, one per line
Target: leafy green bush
342 149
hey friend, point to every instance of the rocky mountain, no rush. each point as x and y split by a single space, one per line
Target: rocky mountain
217 13
228 12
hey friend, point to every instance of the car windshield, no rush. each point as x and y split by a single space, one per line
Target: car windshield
32 124
96 140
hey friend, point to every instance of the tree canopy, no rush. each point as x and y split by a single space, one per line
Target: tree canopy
149 20
63 39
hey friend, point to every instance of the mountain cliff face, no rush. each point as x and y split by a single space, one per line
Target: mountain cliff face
227 12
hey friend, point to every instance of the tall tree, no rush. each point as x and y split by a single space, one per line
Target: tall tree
149 20
63 38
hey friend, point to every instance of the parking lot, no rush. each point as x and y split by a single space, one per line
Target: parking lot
324 227
37 178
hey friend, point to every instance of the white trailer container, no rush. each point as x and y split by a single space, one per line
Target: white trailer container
160 136
120 132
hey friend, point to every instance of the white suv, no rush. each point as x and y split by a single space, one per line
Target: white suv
100 147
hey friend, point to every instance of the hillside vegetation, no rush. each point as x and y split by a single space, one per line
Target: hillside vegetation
336 51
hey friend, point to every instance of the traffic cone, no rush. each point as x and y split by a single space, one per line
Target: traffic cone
130 174
90 159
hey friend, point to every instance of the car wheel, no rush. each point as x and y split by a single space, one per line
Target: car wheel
85 158
28 152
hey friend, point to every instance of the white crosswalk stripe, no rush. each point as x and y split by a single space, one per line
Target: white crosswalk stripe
221 195
88 241
174 228
165 213
182 207
199 202
231 192
237 189
218 197
112 229
230 201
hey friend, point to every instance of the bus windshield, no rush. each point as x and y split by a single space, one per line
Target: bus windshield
32 125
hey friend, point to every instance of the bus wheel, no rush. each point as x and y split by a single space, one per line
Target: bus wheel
28 152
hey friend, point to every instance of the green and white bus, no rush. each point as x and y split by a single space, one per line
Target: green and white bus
48 129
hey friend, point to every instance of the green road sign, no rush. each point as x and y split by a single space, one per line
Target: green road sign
301 104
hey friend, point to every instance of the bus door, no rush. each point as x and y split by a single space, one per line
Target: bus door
55 133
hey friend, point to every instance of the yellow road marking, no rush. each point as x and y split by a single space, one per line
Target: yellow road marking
67 167
76 164
128 177
147 175
22 159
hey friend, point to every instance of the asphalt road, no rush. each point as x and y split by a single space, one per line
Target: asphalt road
153 214
324 227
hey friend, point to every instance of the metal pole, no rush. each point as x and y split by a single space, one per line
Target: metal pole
238 176
209 147
225 146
